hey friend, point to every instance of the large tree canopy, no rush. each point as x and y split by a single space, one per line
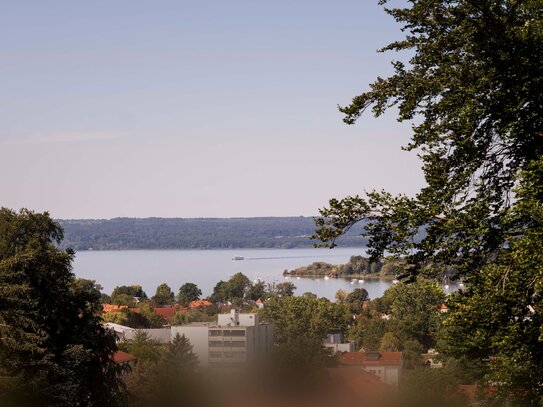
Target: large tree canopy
53 347
473 89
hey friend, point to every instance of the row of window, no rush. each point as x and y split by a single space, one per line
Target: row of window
227 344
227 332
227 355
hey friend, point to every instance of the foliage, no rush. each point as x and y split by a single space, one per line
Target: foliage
146 349
188 292
124 291
355 299
310 317
341 296
499 318
284 289
472 88
209 233
257 291
356 266
233 289
389 343
409 312
300 326
164 295
53 345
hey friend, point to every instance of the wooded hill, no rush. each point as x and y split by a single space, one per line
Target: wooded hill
194 233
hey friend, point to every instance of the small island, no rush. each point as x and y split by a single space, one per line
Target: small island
357 267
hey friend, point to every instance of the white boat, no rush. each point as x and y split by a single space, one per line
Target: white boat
395 281
238 258
326 278
297 278
361 281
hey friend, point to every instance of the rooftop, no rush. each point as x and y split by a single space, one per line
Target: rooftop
371 358
123 357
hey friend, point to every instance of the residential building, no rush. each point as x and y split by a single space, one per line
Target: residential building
126 361
337 343
385 365
235 340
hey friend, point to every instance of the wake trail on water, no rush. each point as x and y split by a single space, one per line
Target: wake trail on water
290 257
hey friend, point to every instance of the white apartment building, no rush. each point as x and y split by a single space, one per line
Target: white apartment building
337 343
235 340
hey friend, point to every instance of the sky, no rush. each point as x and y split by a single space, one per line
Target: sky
131 108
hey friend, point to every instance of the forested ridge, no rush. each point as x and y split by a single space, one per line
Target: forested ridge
193 233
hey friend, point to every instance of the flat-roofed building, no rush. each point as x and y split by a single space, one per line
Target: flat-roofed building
235 340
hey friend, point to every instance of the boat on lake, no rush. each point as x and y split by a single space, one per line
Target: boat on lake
238 258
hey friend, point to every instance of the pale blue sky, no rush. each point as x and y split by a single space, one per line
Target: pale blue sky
205 108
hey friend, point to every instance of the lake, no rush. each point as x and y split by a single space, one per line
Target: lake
205 268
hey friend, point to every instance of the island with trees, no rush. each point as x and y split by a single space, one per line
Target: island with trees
356 268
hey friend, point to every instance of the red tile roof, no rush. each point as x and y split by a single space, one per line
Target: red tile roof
123 357
199 303
166 313
359 359
107 308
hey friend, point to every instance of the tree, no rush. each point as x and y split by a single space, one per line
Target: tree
499 319
471 84
472 87
389 343
414 310
163 295
146 349
284 289
188 292
124 299
305 316
53 345
134 291
236 286
257 291
341 296
356 299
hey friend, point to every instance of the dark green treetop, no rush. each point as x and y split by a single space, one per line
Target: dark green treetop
472 88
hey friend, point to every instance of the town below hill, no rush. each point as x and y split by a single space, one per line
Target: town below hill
195 233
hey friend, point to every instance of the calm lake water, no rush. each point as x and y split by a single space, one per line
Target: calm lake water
149 268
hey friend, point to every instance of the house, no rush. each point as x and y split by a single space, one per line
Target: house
199 304
357 383
385 365
126 361
259 303
235 340
431 359
108 308
337 343
443 309
169 312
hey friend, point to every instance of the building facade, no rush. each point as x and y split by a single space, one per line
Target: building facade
235 340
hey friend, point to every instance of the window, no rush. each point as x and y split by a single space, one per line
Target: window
215 354
215 344
215 333
238 332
